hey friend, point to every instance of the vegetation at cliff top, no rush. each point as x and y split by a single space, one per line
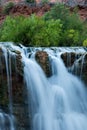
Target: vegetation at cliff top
58 27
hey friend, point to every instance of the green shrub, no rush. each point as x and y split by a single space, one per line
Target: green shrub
85 43
70 38
15 29
56 28
32 31
46 33
70 21
8 6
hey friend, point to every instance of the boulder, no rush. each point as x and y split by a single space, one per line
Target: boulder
68 58
43 60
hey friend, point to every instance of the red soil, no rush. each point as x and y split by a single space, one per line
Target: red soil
22 9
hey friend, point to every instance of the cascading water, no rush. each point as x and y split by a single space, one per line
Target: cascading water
7 125
58 102
6 121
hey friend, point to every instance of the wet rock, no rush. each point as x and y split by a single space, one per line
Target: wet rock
84 69
18 88
77 64
68 58
22 115
16 79
1 51
43 60
19 63
3 81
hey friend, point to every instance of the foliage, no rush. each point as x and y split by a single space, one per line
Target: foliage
43 2
47 33
8 7
85 43
70 38
30 1
58 27
71 22
69 19
32 31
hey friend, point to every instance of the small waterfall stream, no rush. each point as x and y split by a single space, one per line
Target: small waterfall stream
7 120
58 102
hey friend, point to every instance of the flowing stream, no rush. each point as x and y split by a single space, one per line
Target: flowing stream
58 102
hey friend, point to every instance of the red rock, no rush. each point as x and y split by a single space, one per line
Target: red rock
22 9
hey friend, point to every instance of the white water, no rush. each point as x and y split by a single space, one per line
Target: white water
59 102
6 121
3 116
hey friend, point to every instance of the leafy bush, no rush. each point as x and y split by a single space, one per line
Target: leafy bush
8 6
70 21
47 33
32 31
16 29
85 43
58 27
70 38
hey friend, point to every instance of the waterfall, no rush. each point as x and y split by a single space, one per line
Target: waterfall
54 103
4 124
58 102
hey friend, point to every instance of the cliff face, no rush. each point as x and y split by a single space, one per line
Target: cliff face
11 75
23 8
71 2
